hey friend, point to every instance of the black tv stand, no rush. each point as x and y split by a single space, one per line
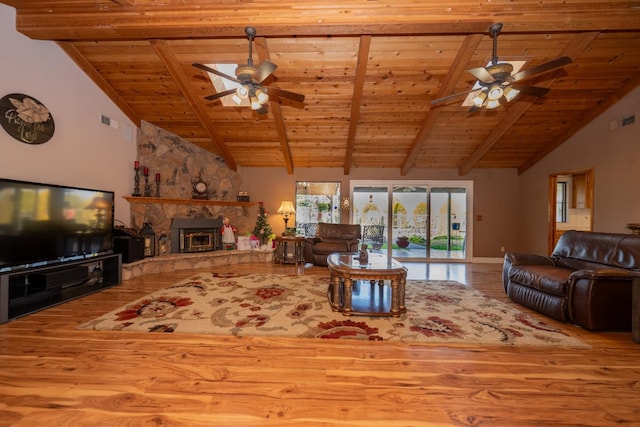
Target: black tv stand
30 290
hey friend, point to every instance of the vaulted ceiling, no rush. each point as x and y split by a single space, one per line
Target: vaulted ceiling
369 70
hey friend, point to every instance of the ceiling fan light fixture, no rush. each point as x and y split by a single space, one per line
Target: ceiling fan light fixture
510 93
495 92
243 92
262 97
479 99
255 104
492 103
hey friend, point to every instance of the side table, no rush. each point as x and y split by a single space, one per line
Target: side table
289 250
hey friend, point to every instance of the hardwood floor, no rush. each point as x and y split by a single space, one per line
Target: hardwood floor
55 375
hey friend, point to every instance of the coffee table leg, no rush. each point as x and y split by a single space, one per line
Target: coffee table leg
395 302
335 292
401 291
346 294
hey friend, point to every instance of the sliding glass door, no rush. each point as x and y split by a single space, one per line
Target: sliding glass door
417 220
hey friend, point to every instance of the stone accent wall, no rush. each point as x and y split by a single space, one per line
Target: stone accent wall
179 164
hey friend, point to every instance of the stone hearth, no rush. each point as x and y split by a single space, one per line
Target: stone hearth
212 261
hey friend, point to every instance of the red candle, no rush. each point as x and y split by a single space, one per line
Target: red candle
157 177
136 165
146 171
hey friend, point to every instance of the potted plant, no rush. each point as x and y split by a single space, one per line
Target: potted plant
402 242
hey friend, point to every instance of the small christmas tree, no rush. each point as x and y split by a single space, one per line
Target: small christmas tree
262 230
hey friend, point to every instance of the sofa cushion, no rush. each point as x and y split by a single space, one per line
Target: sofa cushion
546 278
327 246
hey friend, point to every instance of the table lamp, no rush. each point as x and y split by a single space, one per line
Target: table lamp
286 209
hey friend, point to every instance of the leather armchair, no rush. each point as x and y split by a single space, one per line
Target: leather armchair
331 238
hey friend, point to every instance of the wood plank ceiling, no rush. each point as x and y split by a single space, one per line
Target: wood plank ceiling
368 68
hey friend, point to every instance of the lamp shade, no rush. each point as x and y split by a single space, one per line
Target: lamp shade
286 208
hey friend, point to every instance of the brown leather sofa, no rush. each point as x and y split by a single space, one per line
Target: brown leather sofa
331 238
586 280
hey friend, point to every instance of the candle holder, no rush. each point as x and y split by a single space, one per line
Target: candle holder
157 189
147 186
136 184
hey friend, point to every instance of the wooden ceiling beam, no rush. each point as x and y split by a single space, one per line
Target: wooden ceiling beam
276 110
458 67
577 45
77 57
164 52
108 20
358 85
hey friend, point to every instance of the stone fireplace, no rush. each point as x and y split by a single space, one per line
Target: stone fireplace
180 164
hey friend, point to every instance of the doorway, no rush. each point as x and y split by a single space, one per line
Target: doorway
570 203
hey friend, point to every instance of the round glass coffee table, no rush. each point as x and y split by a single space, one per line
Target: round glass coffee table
361 289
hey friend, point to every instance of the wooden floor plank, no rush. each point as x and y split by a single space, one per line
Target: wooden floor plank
54 374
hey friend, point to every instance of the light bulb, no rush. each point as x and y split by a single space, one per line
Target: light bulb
242 92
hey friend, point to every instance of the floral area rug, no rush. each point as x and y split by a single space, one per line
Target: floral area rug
297 306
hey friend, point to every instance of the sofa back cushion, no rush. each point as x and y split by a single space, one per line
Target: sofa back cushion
587 249
338 231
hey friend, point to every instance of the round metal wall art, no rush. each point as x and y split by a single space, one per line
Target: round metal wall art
26 119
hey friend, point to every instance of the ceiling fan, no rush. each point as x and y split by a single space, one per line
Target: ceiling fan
497 84
250 79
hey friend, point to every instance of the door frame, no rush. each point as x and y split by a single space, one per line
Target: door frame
553 185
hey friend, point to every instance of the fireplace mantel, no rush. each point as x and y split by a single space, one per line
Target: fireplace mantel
165 201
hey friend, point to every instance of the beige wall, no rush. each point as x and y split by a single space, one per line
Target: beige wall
82 152
615 157
495 195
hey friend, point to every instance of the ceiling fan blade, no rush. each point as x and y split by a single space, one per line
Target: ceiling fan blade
542 68
285 94
216 72
455 95
220 94
263 71
482 74
532 90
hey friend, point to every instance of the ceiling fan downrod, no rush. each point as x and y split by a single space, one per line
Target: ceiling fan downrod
251 34
494 30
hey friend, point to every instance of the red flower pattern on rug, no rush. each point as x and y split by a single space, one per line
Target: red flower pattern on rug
153 307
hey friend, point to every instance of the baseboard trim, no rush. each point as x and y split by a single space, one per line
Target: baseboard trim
487 260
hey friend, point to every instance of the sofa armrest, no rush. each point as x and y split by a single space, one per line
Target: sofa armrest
603 273
600 299
521 259
528 259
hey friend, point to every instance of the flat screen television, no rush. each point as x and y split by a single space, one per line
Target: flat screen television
42 224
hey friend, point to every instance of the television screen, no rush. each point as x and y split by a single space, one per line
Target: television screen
42 224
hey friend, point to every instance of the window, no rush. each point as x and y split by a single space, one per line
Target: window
561 201
316 202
